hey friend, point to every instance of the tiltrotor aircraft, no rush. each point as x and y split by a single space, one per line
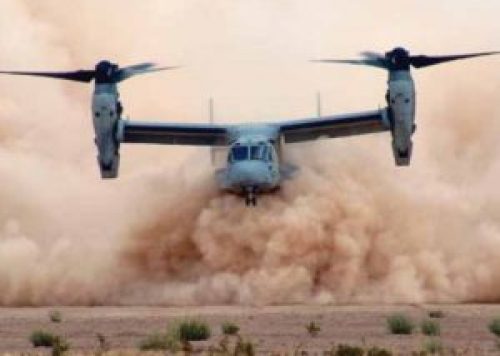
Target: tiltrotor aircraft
254 162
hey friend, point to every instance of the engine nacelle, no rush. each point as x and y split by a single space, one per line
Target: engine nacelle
401 101
106 114
402 157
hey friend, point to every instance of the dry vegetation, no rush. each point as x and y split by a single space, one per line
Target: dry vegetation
221 331
400 324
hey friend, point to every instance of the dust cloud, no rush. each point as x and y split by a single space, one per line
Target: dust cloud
350 228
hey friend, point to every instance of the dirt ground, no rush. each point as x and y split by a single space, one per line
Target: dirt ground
277 330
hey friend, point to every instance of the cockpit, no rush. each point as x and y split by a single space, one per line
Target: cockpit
259 152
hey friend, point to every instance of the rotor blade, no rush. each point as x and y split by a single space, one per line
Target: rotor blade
157 69
379 63
143 68
140 66
372 55
78 76
425 61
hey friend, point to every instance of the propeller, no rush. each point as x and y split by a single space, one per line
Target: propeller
400 59
105 72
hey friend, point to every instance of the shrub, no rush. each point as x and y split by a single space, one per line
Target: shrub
240 348
229 328
433 346
400 324
436 314
430 328
41 338
55 316
244 348
60 346
375 351
103 343
346 350
192 330
313 329
494 326
177 337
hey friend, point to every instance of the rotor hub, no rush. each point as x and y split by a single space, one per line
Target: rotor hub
398 59
106 72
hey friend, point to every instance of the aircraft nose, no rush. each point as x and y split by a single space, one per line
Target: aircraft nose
250 173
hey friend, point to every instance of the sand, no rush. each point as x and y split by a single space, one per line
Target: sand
279 329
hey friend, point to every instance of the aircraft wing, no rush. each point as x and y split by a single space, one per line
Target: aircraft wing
335 126
172 134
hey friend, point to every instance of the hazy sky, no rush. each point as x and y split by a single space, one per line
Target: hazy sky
251 56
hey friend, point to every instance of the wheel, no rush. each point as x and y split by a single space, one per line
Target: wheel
251 199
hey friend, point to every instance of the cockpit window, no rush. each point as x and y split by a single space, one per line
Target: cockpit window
266 153
269 155
256 152
239 153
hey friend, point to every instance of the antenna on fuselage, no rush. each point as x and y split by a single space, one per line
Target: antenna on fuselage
212 122
211 110
318 104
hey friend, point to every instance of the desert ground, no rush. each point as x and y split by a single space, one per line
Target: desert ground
276 330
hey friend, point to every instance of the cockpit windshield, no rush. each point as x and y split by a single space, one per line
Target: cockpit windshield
239 153
253 152
256 152
261 152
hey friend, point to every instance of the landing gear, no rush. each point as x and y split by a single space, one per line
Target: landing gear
251 201
251 197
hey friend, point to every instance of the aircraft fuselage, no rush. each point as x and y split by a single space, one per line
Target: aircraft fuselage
253 165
